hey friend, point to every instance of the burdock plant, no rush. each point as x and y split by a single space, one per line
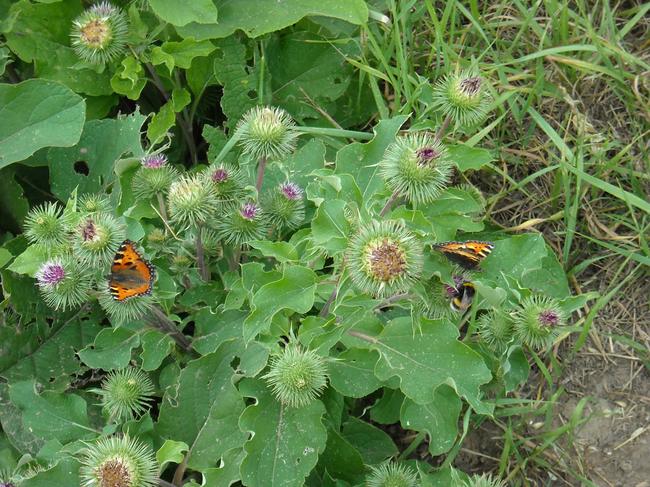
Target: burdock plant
384 258
417 167
462 97
297 376
63 283
390 474
46 225
126 393
100 33
96 239
285 206
266 133
243 224
538 320
118 462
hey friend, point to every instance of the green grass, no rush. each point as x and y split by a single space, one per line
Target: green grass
569 123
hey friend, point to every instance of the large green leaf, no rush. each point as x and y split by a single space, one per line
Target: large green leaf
285 441
439 418
90 164
341 459
181 53
362 160
111 349
65 472
50 414
330 229
182 13
36 114
24 440
203 408
428 358
374 444
352 373
259 17
294 291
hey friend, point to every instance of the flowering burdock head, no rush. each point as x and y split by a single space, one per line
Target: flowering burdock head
47 226
296 376
417 167
118 462
496 328
93 203
192 201
121 312
153 176
63 283
228 182
267 132
100 33
285 206
243 224
483 481
97 238
384 258
463 97
126 394
210 240
538 320
390 474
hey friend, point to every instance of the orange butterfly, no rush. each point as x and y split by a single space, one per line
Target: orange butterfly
131 275
466 254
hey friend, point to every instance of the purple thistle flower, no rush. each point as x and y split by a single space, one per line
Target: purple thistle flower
154 161
220 175
426 155
291 191
249 211
50 274
548 317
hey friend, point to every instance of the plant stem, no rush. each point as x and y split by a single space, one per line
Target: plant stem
164 483
260 173
363 336
204 270
351 134
228 147
414 444
158 319
330 300
443 128
179 473
389 204
162 208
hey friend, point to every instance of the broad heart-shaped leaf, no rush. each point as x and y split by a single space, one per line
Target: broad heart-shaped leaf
466 157
182 13
65 472
301 66
439 418
341 459
111 349
89 165
51 414
362 160
202 409
426 359
16 432
285 441
155 347
49 356
352 373
259 17
330 229
36 114
374 445
181 53
516 256
171 452
294 291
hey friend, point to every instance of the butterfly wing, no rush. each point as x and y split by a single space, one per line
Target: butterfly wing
131 275
466 254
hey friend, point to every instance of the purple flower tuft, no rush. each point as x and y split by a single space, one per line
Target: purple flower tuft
50 274
154 161
220 175
426 155
88 232
249 211
548 317
291 191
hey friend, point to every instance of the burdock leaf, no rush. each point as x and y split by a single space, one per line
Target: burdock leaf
203 408
426 359
285 442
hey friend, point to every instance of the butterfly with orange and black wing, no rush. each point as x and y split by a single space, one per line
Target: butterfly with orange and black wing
131 275
466 254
